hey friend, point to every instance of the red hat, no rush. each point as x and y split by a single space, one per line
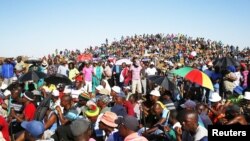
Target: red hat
79 78
243 65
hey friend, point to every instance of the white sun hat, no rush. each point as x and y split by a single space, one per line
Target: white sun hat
215 97
116 89
99 87
247 95
155 93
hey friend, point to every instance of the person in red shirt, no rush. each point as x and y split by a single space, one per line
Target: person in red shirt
126 74
60 88
29 108
4 128
120 99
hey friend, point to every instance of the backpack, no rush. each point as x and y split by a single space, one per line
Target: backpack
42 109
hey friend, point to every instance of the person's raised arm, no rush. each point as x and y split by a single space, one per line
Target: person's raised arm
52 119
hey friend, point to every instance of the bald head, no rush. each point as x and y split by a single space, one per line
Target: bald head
67 98
66 101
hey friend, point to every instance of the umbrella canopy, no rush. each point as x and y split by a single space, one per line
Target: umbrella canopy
195 76
58 78
32 75
119 62
225 62
164 82
33 61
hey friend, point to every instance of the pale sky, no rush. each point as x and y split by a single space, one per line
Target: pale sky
36 28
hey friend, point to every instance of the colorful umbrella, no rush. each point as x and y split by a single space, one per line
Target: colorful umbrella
195 76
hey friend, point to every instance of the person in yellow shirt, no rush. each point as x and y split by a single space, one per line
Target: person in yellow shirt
73 72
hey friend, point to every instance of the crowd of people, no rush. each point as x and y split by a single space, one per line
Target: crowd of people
111 101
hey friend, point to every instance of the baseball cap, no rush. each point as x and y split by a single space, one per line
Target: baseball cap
119 110
35 128
129 122
189 104
121 94
72 115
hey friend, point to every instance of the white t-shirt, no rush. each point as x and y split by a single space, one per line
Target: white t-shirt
151 71
63 70
75 93
200 133
239 76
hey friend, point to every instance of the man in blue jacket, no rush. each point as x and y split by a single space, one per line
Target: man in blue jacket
7 71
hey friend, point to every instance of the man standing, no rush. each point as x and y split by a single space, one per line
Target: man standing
88 72
19 67
7 71
108 73
128 127
136 77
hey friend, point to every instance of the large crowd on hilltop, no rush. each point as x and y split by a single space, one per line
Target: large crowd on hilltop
119 91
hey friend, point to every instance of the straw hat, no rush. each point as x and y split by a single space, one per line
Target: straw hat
109 118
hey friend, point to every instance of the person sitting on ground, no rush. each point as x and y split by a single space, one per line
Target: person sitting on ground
154 97
136 105
120 99
189 123
234 116
29 108
217 110
33 130
63 132
92 113
128 127
81 130
162 115
167 101
66 103
4 129
108 125
103 102
81 104
203 114
173 123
